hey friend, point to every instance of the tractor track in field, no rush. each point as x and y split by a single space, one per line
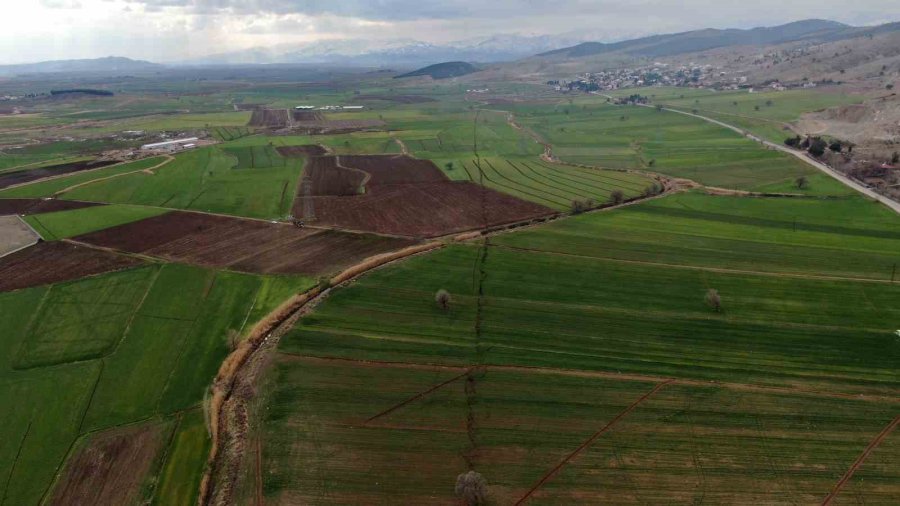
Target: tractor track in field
583 373
148 170
415 397
556 469
859 460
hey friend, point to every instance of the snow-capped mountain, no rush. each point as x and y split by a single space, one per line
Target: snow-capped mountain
496 48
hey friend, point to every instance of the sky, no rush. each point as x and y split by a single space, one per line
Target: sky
175 30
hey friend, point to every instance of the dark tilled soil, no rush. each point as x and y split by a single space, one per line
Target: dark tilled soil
111 469
409 197
242 245
301 151
8 179
325 177
277 118
38 206
53 262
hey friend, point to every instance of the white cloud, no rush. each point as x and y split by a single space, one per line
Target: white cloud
167 30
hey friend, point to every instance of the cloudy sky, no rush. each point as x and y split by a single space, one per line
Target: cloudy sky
172 30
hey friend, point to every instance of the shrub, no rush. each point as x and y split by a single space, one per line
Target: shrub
817 147
713 299
617 197
577 207
802 183
793 141
471 488
443 299
836 146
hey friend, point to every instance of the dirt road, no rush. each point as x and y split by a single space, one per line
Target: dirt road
893 205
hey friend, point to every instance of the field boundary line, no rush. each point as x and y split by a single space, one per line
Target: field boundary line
416 397
555 470
885 432
722 270
148 170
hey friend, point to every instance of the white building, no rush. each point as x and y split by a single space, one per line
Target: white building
169 146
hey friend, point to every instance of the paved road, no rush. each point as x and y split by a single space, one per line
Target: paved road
891 204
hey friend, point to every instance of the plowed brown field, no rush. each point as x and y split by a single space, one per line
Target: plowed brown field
52 262
111 468
242 245
404 196
38 206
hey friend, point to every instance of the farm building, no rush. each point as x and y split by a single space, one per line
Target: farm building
170 146
304 107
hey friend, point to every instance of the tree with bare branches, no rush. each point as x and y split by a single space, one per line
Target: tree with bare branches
617 197
471 488
443 299
713 299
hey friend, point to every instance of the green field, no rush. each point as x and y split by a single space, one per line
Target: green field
115 349
639 137
567 324
53 186
207 179
554 185
65 224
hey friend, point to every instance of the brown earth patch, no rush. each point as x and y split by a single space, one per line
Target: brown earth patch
110 469
325 177
38 206
53 262
407 196
276 118
301 151
243 245
305 115
8 179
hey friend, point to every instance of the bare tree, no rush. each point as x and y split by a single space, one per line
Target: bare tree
442 299
802 183
713 299
471 487
617 197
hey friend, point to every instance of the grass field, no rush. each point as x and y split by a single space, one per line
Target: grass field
50 187
555 331
114 349
638 137
207 179
65 224
554 185
765 113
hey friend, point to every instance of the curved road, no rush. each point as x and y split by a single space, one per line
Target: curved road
891 204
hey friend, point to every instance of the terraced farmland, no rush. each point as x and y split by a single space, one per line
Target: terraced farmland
555 186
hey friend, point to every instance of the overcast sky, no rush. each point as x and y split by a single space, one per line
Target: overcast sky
172 30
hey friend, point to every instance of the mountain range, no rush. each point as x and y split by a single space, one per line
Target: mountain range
539 54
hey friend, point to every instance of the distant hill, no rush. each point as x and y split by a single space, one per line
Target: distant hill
701 40
108 64
442 70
